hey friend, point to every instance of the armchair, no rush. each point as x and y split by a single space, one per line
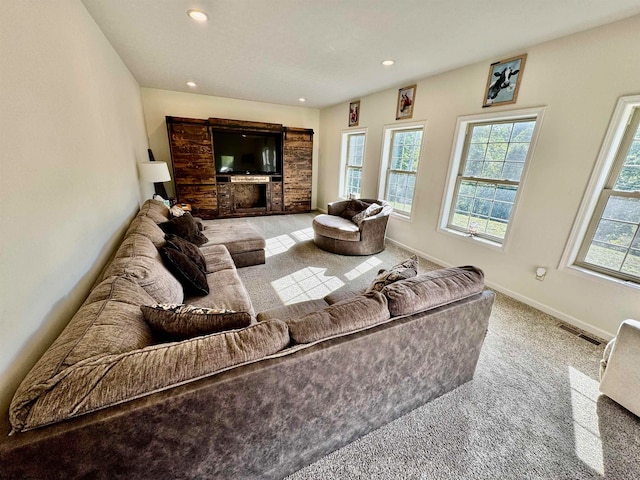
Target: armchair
336 234
619 371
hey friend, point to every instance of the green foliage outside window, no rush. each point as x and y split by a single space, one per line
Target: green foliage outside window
403 165
613 244
495 155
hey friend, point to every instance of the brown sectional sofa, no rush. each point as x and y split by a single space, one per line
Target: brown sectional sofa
109 400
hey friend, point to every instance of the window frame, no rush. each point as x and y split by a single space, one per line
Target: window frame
456 168
606 170
344 159
385 163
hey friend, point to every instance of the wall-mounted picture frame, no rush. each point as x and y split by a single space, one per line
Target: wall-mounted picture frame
406 99
504 81
354 113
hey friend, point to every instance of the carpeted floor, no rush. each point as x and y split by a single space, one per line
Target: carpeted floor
532 411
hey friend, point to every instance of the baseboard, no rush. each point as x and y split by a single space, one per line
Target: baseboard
521 298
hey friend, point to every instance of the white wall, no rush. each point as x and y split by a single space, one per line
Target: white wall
71 132
161 103
578 79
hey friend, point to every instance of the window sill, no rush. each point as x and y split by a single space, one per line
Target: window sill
471 238
590 274
402 216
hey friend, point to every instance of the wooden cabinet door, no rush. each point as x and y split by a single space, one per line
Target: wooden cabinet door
276 197
201 197
194 170
298 153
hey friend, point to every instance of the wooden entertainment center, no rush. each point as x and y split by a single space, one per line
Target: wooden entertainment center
214 194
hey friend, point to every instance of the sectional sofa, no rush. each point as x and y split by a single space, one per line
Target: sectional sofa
112 398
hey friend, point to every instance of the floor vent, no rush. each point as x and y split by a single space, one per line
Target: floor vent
589 339
569 329
579 334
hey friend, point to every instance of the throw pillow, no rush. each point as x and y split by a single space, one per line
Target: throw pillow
191 250
176 211
433 289
353 207
192 279
370 211
342 317
186 321
402 271
185 227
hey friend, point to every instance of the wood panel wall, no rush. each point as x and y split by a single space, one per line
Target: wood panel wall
194 171
298 153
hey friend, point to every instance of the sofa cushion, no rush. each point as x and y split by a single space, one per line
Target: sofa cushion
151 275
226 291
191 250
108 322
185 227
101 382
216 258
433 289
155 210
137 245
342 317
339 295
144 225
401 271
336 227
185 321
192 279
370 211
294 310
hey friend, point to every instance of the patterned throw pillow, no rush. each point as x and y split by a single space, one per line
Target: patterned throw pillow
402 271
185 321
370 211
176 211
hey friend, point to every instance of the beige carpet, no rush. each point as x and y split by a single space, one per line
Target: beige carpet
533 410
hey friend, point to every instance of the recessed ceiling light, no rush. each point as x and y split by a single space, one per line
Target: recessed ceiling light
302 99
198 15
192 84
388 63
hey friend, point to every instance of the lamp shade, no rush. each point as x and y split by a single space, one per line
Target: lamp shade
153 172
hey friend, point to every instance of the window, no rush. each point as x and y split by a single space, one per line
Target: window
489 160
353 159
402 154
611 244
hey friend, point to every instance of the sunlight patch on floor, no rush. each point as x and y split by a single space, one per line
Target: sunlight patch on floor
307 284
584 395
363 268
279 244
303 235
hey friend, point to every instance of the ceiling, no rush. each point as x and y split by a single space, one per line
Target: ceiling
328 51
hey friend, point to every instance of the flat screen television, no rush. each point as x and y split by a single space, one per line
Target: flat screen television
249 152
